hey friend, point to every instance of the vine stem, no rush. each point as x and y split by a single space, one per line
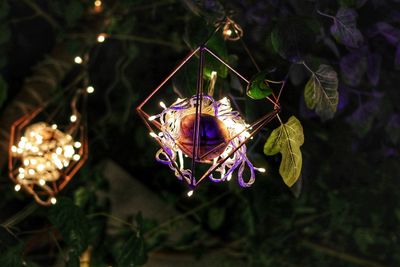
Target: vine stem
340 255
20 216
326 15
307 67
42 13
184 215
130 37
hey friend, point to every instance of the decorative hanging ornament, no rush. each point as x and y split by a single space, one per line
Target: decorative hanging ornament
200 132
43 155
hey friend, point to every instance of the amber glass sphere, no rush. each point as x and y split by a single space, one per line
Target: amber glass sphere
213 136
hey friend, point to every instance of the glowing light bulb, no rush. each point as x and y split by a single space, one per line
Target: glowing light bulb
54 126
77 144
229 32
162 104
229 177
73 118
190 193
42 182
101 38
14 149
31 172
76 157
78 60
97 3
53 200
90 89
59 150
152 134
40 167
261 169
17 187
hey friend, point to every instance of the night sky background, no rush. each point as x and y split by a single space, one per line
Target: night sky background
125 209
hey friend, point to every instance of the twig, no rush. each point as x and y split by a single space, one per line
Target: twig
20 216
184 215
340 255
41 13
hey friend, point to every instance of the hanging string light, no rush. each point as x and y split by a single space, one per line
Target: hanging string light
200 130
44 155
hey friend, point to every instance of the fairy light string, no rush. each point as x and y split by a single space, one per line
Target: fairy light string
228 155
43 155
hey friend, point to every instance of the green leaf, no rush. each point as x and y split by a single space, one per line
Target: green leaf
216 217
294 38
258 87
133 253
3 91
5 33
74 12
321 92
4 8
12 256
70 220
287 140
218 46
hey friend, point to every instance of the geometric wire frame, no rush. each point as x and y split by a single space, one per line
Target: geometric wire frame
199 96
44 192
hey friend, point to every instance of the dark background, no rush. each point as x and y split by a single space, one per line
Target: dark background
123 208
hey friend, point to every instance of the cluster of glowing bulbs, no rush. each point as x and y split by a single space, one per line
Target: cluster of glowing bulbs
44 152
172 154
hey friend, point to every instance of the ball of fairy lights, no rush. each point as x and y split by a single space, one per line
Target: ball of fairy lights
223 129
44 152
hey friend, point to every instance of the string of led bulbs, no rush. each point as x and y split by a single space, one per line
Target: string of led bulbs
203 130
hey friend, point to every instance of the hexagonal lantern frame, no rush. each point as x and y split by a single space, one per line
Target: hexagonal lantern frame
46 195
252 129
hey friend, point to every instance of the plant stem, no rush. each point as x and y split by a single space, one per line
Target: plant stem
326 15
41 13
20 216
340 255
184 215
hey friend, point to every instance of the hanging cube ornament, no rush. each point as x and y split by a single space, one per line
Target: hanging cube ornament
201 135
44 156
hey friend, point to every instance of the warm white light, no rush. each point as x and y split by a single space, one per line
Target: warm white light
152 134
229 32
152 118
190 193
77 144
40 167
17 187
45 151
229 177
162 104
90 89
53 200
59 150
97 3
73 118
78 60
101 38
14 149
261 169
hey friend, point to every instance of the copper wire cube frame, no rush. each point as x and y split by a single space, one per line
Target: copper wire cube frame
44 194
196 156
